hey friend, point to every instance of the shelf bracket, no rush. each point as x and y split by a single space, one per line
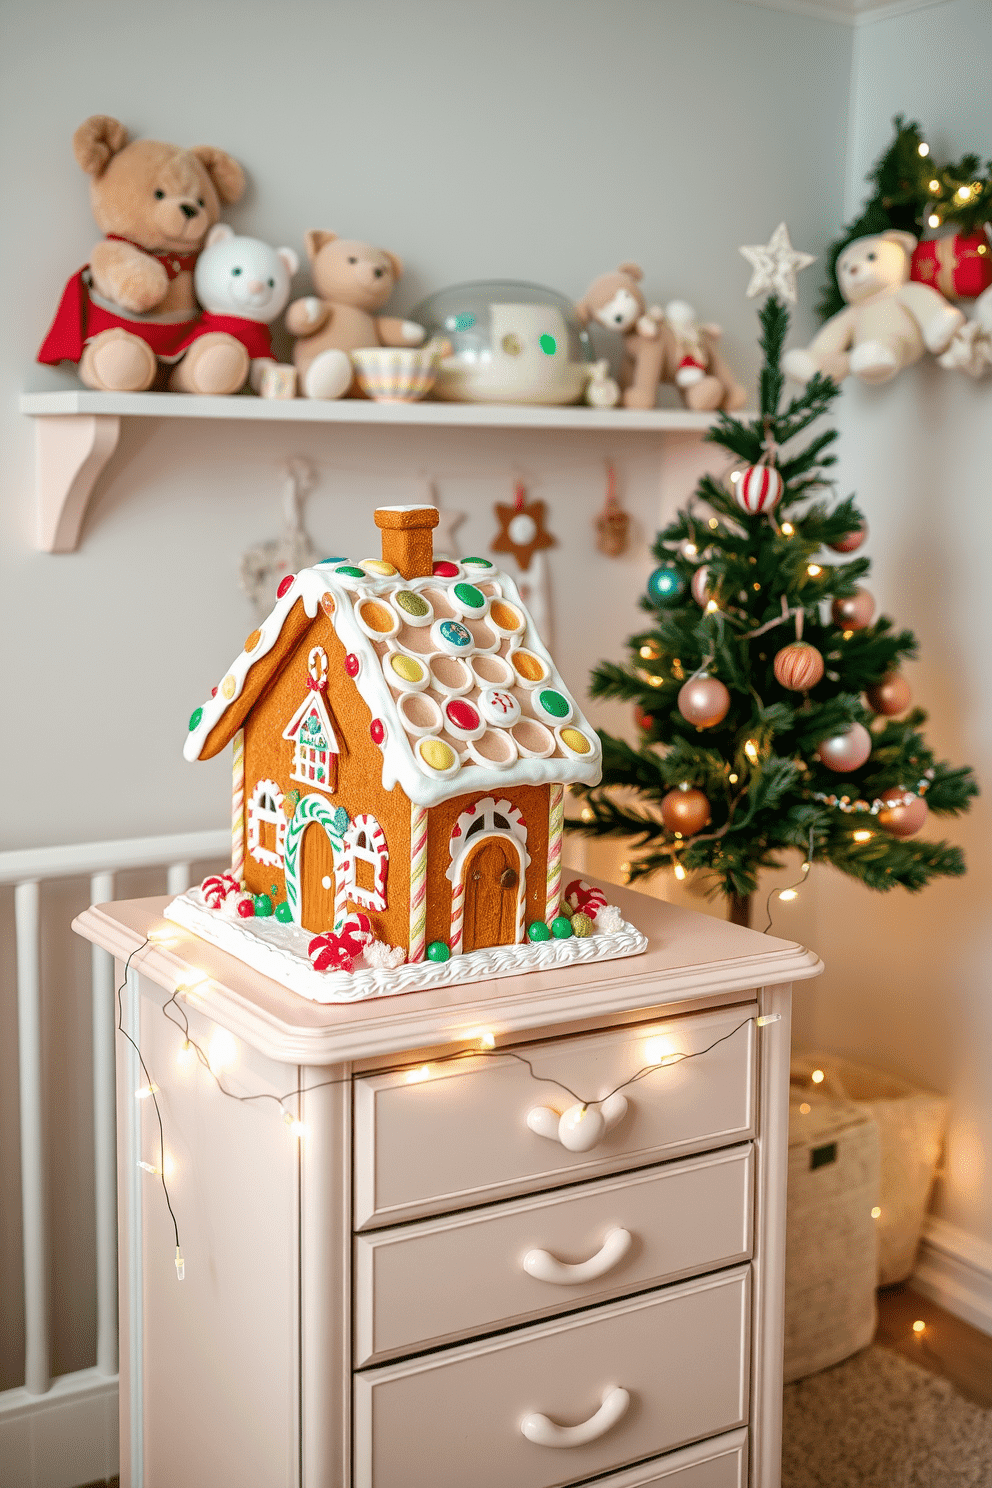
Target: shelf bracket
72 450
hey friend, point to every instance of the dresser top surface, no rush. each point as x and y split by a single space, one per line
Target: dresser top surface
691 958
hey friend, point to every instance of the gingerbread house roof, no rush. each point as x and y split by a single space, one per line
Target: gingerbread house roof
464 696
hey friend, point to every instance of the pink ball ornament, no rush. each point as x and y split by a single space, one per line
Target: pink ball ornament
902 813
699 587
847 751
855 611
704 701
852 541
759 489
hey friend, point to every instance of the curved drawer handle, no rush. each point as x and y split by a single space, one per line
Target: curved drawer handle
581 1127
545 1267
545 1433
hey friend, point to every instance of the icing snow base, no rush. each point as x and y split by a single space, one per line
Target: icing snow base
279 951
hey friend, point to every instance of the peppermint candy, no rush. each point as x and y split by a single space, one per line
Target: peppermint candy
216 888
339 950
582 897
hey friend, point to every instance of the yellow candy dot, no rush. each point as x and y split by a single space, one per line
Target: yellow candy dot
378 566
435 752
407 668
228 687
575 741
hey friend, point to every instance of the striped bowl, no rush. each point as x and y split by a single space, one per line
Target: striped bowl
397 374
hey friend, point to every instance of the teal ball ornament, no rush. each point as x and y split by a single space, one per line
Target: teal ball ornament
538 930
665 584
438 950
561 927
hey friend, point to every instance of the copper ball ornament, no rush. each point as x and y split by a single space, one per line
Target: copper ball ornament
891 696
704 701
798 666
855 611
699 587
852 541
685 810
846 751
902 813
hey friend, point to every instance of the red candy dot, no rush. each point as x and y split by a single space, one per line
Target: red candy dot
446 570
378 730
352 664
462 714
286 584
213 692
246 908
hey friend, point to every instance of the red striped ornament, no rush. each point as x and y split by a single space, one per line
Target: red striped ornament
759 489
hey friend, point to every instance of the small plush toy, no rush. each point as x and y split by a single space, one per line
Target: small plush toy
352 282
132 306
888 321
243 285
970 349
660 346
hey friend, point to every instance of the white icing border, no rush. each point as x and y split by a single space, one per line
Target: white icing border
279 951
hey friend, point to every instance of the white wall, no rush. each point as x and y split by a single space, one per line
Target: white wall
539 139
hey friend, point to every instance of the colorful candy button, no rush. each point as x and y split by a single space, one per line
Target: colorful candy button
462 719
499 707
327 604
376 619
378 567
413 607
550 705
228 687
530 668
437 756
350 572
445 570
478 565
285 585
407 673
330 560
194 719
377 730
574 743
451 637
352 665
468 601
253 640
505 618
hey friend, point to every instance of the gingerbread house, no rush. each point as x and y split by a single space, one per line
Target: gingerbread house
402 744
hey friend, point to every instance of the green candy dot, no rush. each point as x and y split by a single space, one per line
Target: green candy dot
411 603
284 914
478 562
549 345
538 930
263 906
194 718
469 595
350 572
552 702
561 927
438 950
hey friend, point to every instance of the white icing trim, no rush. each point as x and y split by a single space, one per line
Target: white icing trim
279 951
376 854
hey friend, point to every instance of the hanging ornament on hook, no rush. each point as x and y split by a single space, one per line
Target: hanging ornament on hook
613 523
521 528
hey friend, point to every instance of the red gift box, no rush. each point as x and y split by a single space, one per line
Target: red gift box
960 267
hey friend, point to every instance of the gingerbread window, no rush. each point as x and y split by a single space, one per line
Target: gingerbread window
315 746
366 862
267 824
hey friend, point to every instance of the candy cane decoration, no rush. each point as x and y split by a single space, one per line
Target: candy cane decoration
418 881
238 809
457 915
556 831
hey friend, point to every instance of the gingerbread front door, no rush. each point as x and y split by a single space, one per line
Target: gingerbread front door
317 880
492 884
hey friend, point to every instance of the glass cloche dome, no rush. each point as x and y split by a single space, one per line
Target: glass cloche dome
511 342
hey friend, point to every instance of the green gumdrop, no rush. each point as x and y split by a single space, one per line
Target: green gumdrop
538 930
561 927
438 950
263 906
284 914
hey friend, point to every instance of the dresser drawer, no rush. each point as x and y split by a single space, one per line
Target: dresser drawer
431 1283
720 1462
681 1356
460 1136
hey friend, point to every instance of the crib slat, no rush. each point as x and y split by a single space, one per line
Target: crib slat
37 1365
104 1140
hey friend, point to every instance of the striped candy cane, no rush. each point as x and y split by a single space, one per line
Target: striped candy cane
457 915
418 881
556 831
238 809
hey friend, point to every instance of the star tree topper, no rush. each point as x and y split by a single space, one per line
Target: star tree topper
775 265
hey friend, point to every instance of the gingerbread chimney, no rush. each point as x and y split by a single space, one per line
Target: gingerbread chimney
407 538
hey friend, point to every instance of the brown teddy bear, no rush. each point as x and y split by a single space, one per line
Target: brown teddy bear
133 306
660 346
353 281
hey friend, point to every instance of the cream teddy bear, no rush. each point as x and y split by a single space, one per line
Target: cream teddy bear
243 285
888 321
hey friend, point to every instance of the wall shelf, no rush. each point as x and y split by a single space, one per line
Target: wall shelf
77 432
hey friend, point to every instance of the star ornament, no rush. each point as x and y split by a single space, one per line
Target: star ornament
776 264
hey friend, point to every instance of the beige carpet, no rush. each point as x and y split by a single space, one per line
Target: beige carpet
878 1421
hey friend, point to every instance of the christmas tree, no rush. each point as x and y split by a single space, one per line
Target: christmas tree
771 707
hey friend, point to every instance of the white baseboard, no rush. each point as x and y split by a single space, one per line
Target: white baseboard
955 1270
63 1438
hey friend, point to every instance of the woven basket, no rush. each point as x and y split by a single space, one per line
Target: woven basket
831 1237
911 1125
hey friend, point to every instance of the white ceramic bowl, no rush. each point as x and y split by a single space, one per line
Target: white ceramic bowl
397 374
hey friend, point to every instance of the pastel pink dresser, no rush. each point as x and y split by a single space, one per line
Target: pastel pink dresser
427 1289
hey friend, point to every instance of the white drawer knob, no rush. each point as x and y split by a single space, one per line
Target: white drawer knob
545 1267
546 1433
581 1127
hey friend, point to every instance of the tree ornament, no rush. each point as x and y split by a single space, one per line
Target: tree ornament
854 611
902 812
798 666
613 523
699 587
665 584
775 265
704 701
643 720
521 528
959 265
759 489
851 541
685 810
891 696
846 751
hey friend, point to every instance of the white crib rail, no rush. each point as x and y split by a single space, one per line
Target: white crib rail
27 870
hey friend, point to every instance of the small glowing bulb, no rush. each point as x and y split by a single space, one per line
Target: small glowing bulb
934 185
654 1050
625 871
672 1059
788 894
814 569
735 476
656 681
690 550
767 1018
924 150
186 1055
180 1265
487 1038
805 1109
222 1051
677 836
647 652
714 524
711 605
933 220
168 1165
296 1128
807 867
862 836
963 193
787 529
164 937
148 1167
848 634
876 1213
417 1076
751 750
733 779
146 1090
587 813
919 1326
817 1077
679 872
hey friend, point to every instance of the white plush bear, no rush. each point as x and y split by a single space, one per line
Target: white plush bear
243 285
888 320
971 347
